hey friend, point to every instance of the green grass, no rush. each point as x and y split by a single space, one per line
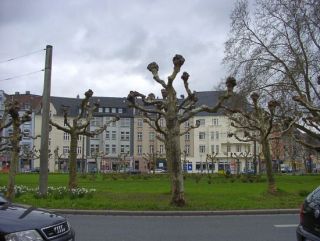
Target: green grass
139 192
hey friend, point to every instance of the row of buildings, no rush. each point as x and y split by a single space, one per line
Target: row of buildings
128 144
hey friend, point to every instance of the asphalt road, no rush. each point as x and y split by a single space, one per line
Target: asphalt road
279 227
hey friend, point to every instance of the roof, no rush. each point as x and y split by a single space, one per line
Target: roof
211 98
27 101
104 102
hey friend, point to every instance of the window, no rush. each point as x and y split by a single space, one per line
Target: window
127 136
186 124
94 149
212 148
120 110
151 136
202 122
122 149
139 136
139 150
217 135
122 136
187 149
238 148
100 110
65 149
114 135
212 135
107 150
217 149
114 149
114 110
151 149
79 150
215 121
228 148
140 122
202 148
66 136
26 134
95 121
125 122
187 136
127 149
107 110
108 135
202 135
161 149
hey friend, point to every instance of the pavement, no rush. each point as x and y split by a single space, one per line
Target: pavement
176 213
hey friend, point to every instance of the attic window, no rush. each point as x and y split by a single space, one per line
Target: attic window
100 110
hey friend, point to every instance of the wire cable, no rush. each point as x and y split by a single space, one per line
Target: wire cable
22 75
21 56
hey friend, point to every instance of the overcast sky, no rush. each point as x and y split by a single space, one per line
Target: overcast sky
106 45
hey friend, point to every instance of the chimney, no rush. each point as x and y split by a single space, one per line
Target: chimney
16 93
28 92
78 97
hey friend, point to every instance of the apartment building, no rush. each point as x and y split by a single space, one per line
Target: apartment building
204 149
103 152
130 143
214 149
112 150
28 102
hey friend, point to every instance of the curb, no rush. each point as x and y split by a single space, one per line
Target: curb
175 213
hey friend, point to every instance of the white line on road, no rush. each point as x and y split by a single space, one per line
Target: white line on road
286 225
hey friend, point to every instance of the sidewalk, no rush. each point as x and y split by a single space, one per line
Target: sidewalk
175 213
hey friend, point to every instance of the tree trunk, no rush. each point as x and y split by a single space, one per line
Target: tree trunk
14 161
267 155
173 156
73 162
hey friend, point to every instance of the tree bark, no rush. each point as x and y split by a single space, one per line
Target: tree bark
267 155
73 161
173 155
14 160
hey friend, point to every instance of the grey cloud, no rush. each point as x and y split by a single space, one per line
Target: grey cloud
93 39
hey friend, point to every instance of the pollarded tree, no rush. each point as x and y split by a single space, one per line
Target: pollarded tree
175 112
12 118
258 124
79 126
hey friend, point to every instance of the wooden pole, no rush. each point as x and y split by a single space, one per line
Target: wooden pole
43 178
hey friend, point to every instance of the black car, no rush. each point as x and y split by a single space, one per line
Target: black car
21 223
309 227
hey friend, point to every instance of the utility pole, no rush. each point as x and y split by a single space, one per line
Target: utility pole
43 178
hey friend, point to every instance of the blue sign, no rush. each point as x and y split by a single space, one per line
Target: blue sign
189 166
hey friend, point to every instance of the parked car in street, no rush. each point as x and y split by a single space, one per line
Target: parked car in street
309 227
21 223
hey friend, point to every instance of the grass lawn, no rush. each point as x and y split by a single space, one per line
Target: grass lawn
152 192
